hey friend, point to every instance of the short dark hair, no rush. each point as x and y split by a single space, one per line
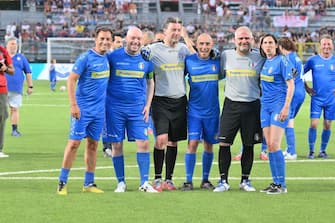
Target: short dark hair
102 28
172 20
115 34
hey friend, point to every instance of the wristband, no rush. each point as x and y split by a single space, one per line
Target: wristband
31 87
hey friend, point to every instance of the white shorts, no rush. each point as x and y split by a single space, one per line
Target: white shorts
14 99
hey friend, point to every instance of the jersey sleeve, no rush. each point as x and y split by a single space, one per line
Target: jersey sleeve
26 66
80 64
8 59
150 73
308 65
222 66
286 68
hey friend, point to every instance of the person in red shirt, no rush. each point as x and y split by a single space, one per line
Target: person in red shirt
6 65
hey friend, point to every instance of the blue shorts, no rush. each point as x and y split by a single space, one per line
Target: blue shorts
206 129
269 116
316 109
86 126
118 121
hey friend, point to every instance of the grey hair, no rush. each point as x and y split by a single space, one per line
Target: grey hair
10 39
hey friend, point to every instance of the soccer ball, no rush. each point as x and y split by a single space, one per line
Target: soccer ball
62 88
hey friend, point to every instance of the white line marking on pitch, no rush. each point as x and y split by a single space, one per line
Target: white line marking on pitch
4 174
175 178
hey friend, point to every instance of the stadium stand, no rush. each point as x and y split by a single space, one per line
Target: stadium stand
39 19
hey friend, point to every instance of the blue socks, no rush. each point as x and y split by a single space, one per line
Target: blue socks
207 160
190 159
64 175
143 162
311 139
118 162
290 140
324 139
278 168
89 178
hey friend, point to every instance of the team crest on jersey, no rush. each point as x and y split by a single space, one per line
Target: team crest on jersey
141 65
18 58
332 67
252 64
214 67
270 70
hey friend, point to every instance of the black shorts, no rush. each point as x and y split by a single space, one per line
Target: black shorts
169 117
243 116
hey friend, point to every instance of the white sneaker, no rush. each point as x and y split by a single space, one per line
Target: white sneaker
222 186
3 155
146 187
121 187
289 156
246 186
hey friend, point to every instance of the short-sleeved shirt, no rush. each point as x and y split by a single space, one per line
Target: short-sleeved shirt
203 76
323 77
276 71
22 67
242 75
93 69
127 83
169 66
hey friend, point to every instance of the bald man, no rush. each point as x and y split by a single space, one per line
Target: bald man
203 109
129 95
241 109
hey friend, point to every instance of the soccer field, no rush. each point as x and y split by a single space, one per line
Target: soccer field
29 177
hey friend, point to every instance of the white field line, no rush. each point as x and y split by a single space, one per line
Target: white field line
47 105
8 175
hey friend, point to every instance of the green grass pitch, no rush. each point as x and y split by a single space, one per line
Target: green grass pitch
28 179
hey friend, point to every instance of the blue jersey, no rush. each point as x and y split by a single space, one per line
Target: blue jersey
93 69
203 81
21 66
127 83
276 71
323 75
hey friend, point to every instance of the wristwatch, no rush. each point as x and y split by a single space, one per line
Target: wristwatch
31 87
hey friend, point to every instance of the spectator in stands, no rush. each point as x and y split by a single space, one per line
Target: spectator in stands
133 10
15 82
6 65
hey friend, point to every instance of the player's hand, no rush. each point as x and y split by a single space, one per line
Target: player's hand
146 113
29 91
146 53
283 115
214 54
75 111
294 73
309 90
